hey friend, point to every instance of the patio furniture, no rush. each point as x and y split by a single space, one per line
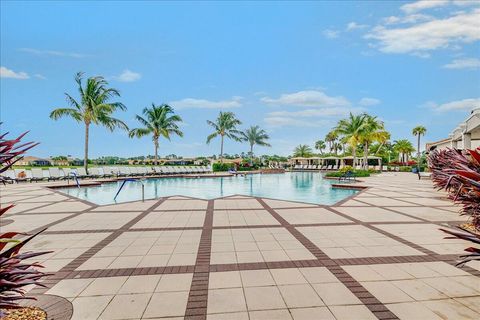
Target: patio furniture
426 175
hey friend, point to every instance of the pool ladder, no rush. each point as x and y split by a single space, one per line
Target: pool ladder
134 180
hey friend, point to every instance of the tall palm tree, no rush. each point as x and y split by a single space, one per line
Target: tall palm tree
225 126
383 139
419 131
404 148
159 121
254 135
330 138
302 150
320 146
372 131
351 129
93 107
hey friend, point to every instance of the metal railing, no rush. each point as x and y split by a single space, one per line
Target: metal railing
130 180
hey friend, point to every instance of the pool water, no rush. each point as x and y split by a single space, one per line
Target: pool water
308 187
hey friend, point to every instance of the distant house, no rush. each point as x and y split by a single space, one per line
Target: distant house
61 162
33 161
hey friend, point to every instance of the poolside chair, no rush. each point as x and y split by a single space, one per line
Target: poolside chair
81 173
19 173
329 167
56 174
427 175
384 168
349 175
94 173
8 176
124 171
37 175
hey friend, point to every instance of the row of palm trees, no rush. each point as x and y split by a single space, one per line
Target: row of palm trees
362 130
94 108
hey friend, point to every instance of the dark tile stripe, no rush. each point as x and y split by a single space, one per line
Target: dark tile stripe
198 295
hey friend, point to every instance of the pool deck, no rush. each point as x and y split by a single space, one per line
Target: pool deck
375 255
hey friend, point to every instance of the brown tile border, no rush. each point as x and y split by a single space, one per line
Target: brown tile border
56 307
198 295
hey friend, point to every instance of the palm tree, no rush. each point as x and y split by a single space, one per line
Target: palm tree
419 131
93 107
320 145
350 129
383 139
303 151
372 131
330 138
159 121
254 135
225 126
404 148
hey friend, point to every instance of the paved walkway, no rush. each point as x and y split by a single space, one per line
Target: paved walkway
377 255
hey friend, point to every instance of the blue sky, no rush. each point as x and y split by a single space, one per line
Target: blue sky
292 68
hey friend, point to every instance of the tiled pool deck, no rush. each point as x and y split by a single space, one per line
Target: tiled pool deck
376 255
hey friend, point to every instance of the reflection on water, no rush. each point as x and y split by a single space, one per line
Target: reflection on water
296 186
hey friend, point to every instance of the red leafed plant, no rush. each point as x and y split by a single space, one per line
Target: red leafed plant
458 172
15 271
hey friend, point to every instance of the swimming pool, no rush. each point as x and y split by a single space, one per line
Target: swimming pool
294 186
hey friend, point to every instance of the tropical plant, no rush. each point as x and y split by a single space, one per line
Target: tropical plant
92 108
303 151
159 121
225 126
330 138
404 149
458 172
255 136
350 130
372 131
15 272
419 131
320 146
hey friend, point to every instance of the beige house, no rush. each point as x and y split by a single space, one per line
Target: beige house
465 136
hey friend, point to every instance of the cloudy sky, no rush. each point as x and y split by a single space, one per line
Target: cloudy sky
292 68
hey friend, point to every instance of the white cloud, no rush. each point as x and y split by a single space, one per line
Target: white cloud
331 34
464 63
7 73
368 102
291 122
324 112
411 18
128 76
423 5
354 26
40 76
308 98
448 32
54 53
465 104
192 103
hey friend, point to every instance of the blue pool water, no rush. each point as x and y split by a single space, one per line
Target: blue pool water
295 186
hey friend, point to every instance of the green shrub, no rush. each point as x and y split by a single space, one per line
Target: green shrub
405 169
357 173
216 167
346 169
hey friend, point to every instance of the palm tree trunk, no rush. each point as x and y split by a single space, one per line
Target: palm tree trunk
418 153
365 156
379 147
221 150
354 154
251 154
155 141
85 161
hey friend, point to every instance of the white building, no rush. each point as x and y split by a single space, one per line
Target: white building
465 136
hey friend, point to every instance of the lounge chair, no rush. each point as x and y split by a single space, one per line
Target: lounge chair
427 175
37 175
384 168
94 173
56 174
8 176
349 175
125 171
27 174
81 173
